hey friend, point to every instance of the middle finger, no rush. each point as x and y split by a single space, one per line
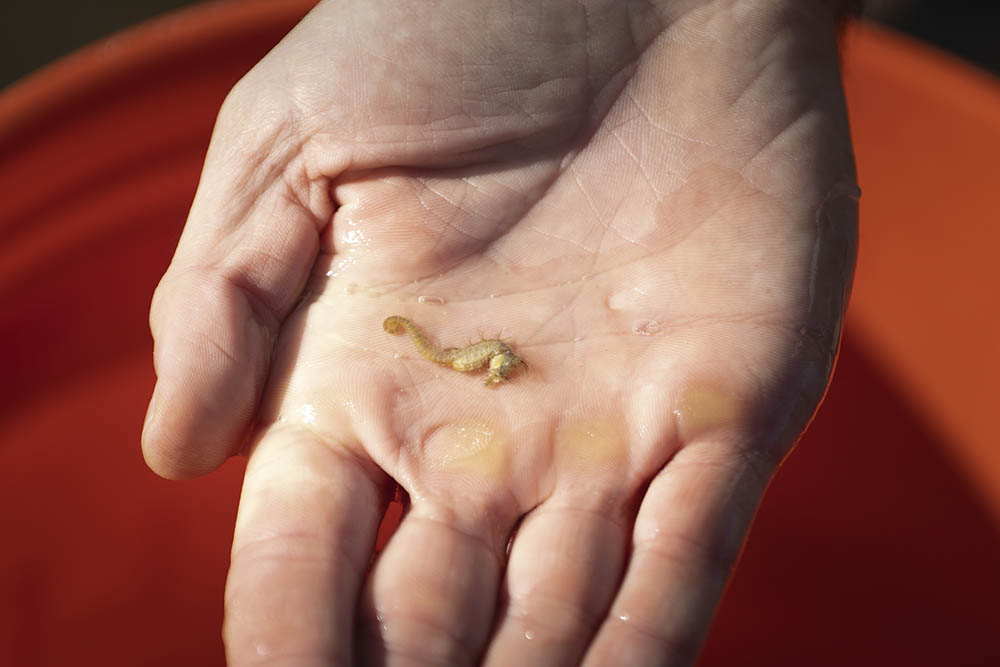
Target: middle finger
568 555
430 597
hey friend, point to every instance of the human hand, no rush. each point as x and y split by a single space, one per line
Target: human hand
655 202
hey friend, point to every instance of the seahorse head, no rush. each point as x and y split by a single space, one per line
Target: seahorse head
502 365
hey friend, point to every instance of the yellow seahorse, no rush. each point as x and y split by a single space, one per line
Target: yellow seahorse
502 360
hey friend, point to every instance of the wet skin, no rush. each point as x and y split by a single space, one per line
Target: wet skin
655 201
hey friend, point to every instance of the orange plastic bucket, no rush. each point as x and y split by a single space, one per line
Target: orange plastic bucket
877 543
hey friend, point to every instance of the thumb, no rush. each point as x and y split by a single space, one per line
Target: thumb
250 240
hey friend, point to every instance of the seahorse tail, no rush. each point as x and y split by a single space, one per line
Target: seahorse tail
394 324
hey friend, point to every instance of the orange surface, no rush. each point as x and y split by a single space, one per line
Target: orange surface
927 135
877 543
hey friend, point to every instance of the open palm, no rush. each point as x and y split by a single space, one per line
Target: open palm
655 204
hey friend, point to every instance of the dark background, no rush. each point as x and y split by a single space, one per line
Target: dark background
35 32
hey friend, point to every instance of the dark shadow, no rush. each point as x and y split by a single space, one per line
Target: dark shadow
869 549
967 28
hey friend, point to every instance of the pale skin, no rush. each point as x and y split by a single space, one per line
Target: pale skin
656 203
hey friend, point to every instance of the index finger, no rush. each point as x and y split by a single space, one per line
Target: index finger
306 528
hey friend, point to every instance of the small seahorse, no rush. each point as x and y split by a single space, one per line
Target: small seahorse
502 360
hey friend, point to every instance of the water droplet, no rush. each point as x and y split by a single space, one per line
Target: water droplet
624 618
529 635
619 300
396 355
343 263
578 339
634 299
355 237
430 299
646 327
308 413
493 296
